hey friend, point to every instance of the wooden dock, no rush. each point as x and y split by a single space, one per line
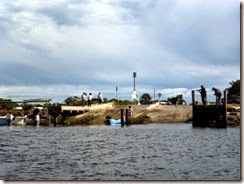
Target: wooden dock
59 113
209 115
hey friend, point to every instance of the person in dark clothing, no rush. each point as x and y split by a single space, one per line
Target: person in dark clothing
203 93
218 95
36 116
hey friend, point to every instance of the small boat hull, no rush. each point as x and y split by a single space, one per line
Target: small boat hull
3 121
115 122
18 121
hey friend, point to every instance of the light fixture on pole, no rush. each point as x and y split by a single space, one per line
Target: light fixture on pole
134 76
134 94
116 92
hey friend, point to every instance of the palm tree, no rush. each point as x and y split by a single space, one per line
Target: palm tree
159 96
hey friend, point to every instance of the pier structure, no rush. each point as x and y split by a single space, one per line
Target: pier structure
209 115
59 113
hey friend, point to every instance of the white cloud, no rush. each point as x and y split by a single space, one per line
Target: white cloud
97 45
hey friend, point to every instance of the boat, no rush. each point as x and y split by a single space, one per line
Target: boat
3 120
115 122
111 121
17 121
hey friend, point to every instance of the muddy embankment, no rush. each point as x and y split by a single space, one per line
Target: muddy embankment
143 114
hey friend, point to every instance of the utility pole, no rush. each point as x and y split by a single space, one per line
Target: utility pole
154 95
116 92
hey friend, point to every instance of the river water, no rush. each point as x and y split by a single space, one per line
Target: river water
139 152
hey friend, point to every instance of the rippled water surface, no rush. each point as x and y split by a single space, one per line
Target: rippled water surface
139 152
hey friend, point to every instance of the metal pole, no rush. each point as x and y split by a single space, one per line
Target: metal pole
193 98
154 95
134 76
122 117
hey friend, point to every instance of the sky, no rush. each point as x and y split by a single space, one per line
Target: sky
60 48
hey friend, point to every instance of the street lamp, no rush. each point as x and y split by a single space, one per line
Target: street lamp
116 92
134 94
134 76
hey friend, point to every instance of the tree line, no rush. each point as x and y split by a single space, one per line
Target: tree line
8 104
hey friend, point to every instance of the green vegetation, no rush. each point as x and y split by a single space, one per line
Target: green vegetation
7 104
76 101
27 107
145 97
73 101
235 88
121 102
174 100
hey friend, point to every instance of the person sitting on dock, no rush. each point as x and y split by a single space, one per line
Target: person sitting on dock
203 94
218 95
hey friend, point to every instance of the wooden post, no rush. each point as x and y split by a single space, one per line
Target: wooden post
193 97
56 121
225 98
225 107
193 105
122 117
126 117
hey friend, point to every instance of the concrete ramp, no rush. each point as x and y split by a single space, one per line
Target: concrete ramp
86 108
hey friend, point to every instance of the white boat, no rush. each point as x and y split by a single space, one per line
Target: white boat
17 121
3 120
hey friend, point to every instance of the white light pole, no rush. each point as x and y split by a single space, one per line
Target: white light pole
134 94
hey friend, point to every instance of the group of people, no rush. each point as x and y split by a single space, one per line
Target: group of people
203 93
87 98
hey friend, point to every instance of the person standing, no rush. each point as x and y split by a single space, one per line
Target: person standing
9 118
218 95
90 99
36 116
203 93
130 111
84 99
100 98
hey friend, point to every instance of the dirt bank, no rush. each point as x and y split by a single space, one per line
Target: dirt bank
142 114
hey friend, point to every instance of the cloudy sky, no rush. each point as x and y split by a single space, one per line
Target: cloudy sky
60 48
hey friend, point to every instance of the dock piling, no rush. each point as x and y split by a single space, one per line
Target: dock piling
209 115
122 117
